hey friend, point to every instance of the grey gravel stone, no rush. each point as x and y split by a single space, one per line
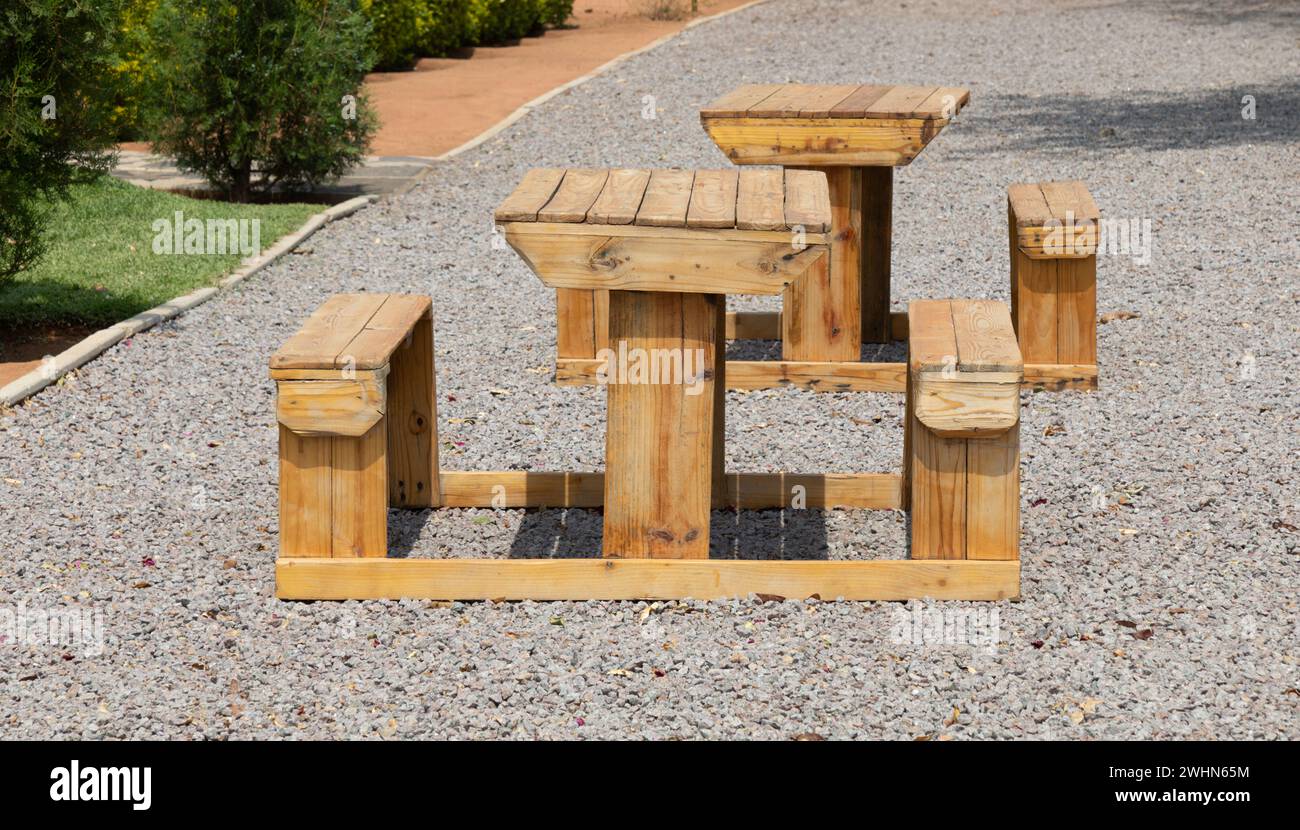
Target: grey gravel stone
1159 544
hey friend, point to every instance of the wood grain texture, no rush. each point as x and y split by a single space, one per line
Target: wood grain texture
412 421
986 340
620 199
667 199
659 436
360 494
531 195
306 482
575 310
1076 311
1037 290
938 497
330 407
807 200
774 374
713 200
760 200
993 496
574 197
876 228
631 579
739 100
800 101
327 332
856 103
820 316
822 142
384 332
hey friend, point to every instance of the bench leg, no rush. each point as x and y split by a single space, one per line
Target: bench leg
659 442
413 422
1054 307
581 322
821 316
333 494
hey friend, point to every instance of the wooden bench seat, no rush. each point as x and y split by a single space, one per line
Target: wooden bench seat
1054 228
962 437
357 417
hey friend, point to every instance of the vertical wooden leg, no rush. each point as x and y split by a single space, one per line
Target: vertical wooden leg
413 422
306 495
360 493
877 230
821 313
993 496
1076 311
575 313
720 406
1036 309
659 457
938 474
905 496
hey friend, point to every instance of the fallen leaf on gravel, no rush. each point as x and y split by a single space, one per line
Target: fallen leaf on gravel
228 564
808 736
1039 502
1112 316
461 421
1295 692
15 482
556 621
1089 705
1119 652
1283 525
1144 634
618 673
1053 429
951 719
141 584
921 738
499 392
1126 623
482 520
770 597
1037 644
1076 716
1128 531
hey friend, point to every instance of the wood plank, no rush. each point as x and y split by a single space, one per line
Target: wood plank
600 322
386 329
748 491
327 332
713 200
760 200
659 435
945 102
807 200
931 339
633 579
822 142
938 497
820 316
900 102
708 261
875 269
753 325
961 408
993 496
574 197
533 192
1058 377
855 105
575 310
773 374
986 340
800 101
738 101
1076 311
412 421
620 199
306 515
1028 205
1036 309
359 490
667 198
329 407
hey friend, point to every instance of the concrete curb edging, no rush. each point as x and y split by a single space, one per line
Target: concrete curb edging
104 339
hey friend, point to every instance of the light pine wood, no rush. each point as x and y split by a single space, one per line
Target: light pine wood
385 331
359 494
620 199
306 514
752 375
739 100
574 197
938 496
900 102
713 200
856 104
330 407
575 310
986 340
1037 291
1057 377
1076 311
718 473
659 438
747 491
696 260
532 194
760 200
876 228
633 579
600 325
958 408
412 421
327 332
667 198
820 317
875 101
807 201
766 325
1054 220
858 142
800 101
993 496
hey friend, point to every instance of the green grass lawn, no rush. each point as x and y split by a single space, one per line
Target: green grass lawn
101 267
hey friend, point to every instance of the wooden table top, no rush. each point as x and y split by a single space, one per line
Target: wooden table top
863 101
757 200
358 331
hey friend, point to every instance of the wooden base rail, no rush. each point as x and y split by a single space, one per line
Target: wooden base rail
766 325
751 375
633 579
745 491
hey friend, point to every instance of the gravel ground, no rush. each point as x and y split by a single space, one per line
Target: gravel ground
1160 547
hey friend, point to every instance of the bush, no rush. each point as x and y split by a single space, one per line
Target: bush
398 27
555 12
55 113
407 29
255 93
130 70
510 19
450 25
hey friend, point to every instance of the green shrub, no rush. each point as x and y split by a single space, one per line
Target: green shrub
130 70
510 19
449 25
555 12
56 58
398 27
254 93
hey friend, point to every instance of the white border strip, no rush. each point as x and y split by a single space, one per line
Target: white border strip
99 342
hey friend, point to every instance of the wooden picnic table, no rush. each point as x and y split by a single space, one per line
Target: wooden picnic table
856 134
